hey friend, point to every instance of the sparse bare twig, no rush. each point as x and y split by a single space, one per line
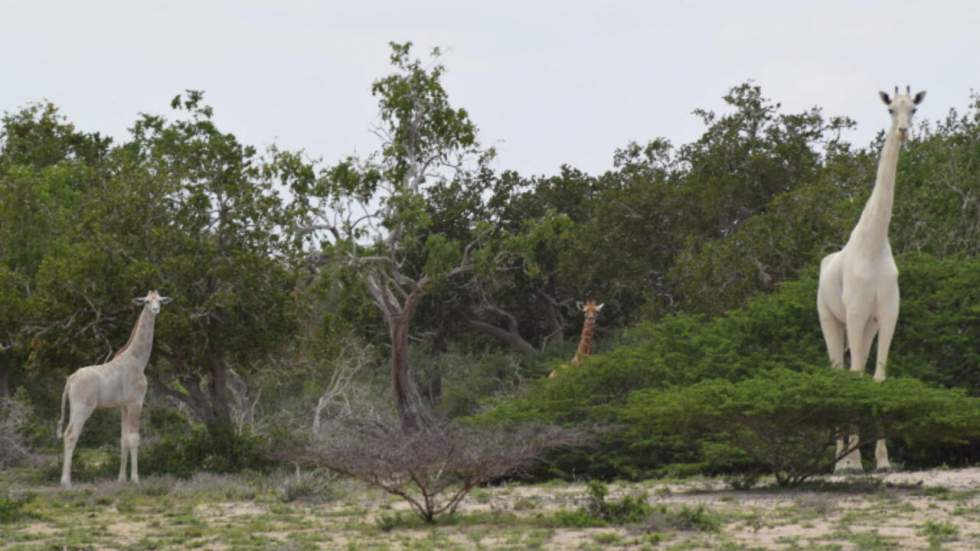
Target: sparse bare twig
435 467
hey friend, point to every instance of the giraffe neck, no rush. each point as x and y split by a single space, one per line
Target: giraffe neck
871 232
140 341
585 343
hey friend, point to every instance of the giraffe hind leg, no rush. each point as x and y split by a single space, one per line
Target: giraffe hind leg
79 415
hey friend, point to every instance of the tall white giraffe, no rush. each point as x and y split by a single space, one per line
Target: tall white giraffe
118 383
858 292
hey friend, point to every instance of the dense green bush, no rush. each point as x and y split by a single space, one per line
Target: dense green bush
789 421
935 341
772 331
626 510
216 449
12 508
178 453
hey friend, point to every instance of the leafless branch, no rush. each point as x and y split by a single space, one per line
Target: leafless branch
435 467
336 398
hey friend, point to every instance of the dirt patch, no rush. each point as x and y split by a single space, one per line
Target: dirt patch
230 509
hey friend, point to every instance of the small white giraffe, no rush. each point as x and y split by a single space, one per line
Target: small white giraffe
858 292
118 383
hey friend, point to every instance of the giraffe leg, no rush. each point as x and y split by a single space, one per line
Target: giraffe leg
131 426
857 337
79 414
887 318
834 338
123 447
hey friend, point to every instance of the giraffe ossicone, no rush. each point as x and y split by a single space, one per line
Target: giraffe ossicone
118 383
858 295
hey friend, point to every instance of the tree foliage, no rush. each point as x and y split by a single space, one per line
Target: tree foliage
789 421
191 211
464 276
402 218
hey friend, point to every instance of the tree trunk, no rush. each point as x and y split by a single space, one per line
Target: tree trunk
400 376
218 390
210 406
553 320
4 379
510 338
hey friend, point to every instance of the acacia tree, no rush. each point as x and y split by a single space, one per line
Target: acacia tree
45 165
11 313
374 215
193 212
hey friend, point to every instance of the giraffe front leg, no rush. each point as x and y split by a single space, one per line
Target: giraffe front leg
134 446
131 426
123 447
887 317
123 456
858 324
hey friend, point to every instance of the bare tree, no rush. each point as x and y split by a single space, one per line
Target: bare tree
244 403
335 401
435 467
14 415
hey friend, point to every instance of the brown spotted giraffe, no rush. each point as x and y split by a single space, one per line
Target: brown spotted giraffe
584 349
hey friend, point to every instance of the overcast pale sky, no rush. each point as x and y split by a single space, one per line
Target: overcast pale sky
547 82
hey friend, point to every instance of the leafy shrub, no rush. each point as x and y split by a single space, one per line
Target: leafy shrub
938 532
88 465
694 519
387 522
308 486
776 330
12 508
216 449
226 487
628 510
935 342
789 421
578 518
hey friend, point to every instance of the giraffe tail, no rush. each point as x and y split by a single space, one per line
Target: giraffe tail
64 399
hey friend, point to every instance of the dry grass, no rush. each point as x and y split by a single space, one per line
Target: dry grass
929 510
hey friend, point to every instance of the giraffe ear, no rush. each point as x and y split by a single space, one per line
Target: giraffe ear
597 308
139 301
919 97
579 305
166 300
884 98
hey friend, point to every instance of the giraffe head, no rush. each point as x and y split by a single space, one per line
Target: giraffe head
591 309
901 107
152 300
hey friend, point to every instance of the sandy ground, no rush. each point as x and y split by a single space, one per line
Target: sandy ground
914 510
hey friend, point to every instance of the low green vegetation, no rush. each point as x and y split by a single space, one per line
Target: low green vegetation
13 508
788 422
